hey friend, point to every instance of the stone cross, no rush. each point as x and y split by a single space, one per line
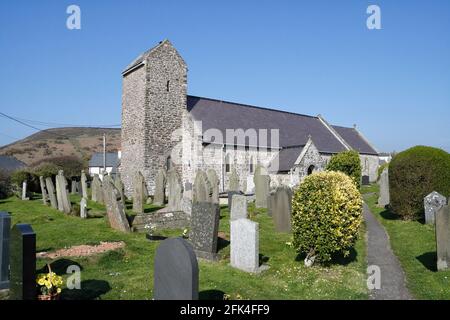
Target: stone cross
175 271
51 192
160 188
204 229
443 237
384 198
83 208
5 226
202 189
214 181
262 186
24 191
238 207
138 193
43 191
84 184
115 208
234 182
23 263
244 251
62 193
175 191
432 203
281 204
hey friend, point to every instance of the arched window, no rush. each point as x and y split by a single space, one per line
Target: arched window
168 86
252 165
227 163
168 163
310 169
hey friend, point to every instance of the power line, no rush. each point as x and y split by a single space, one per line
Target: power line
37 122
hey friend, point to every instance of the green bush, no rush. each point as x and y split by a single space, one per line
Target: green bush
347 162
19 176
415 173
46 169
5 185
71 165
327 213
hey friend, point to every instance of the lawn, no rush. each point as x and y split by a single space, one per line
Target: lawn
414 244
128 273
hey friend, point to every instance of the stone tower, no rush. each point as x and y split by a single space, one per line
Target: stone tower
154 89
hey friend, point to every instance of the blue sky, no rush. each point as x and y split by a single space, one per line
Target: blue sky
310 57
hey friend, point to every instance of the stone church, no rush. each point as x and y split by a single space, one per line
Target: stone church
164 127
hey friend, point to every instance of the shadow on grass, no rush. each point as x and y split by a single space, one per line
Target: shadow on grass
387 214
60 266
428 260
263 259
222 243
152 209
336 259
90 290
211 295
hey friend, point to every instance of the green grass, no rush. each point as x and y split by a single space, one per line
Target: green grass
415 245
128 273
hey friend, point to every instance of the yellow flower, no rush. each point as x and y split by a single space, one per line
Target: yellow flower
58 290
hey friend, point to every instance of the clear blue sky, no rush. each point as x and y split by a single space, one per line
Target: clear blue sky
307 57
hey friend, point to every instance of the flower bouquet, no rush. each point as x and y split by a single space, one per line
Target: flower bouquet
49 285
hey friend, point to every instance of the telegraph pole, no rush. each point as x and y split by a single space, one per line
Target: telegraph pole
104 152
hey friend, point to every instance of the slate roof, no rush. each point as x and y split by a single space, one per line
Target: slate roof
112 159
286 159
354 139
8 163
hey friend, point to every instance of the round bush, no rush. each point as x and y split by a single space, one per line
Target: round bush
347 162
415 173
327 213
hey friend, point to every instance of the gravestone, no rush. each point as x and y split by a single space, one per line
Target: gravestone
114 207
120 187
384 198
62 193
443 238
43 191
24 191
244 251
432 203
5 225
51 192
281 209
83 208
84 190
175 275
270 203
138 193
23 263
365 180
202 189
214 181
175 191
238 207
97 190
204 229
233 184
230 198
262 186
74 187
160 188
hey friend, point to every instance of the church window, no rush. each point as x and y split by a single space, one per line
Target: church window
227 163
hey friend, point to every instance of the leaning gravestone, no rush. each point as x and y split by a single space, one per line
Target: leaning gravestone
43 191
175 191
432 203
24 191
84 184
74 187
244 251
120 187
5 225
202 189
214 181
281 209
62 193
238 207
138 193
204 229
115 208
83 208
97 191
23 263
51 192
233 184
160 188
384 198
443 238
175 271
270 203
262 186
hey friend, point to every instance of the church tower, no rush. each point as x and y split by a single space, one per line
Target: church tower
154 89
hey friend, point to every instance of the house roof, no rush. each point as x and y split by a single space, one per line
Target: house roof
355 140
8 163
112 159
286 159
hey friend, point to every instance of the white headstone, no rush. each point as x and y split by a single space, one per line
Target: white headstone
83 208
245 245
432 203
238 207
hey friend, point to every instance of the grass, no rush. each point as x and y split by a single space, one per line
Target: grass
128 273
414 244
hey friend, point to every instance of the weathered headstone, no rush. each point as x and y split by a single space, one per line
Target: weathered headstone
204 229
281 209
175 271
97 190
23 263
384 198
62 193
84 189
202 189
83 208
138 193
74 187
270 203
262 186
5 225
120 187
43 191
233 184
24 191
244 251
175 191
214 181
238 207
432 203
51 192
443 237
160 188
365 180
115 208
230 198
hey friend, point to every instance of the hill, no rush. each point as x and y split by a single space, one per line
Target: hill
79 142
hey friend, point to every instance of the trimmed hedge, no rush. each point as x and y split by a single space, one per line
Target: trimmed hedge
415 173
347 162
327 213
